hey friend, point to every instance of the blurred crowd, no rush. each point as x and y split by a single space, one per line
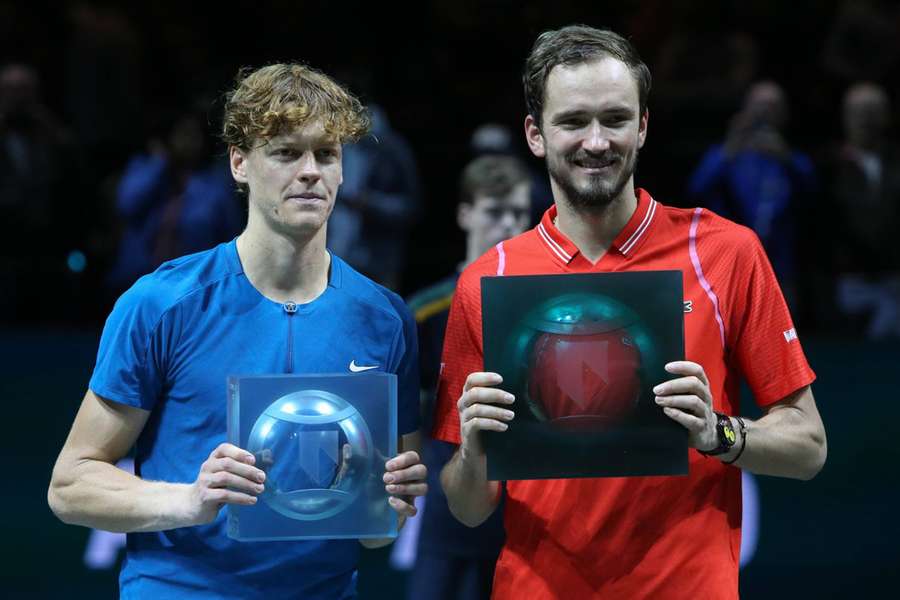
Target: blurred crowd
776 118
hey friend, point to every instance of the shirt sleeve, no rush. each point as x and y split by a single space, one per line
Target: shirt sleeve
764 343
463 354
129 367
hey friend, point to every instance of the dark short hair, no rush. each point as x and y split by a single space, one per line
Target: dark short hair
574 45
491 175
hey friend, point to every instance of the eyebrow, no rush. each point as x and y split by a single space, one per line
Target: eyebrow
292 143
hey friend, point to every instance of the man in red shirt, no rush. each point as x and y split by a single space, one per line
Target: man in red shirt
661 537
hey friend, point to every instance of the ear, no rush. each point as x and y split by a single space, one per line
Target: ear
238 162
534 137
642 128
463 215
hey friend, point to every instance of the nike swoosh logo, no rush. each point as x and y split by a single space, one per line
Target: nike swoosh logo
357 369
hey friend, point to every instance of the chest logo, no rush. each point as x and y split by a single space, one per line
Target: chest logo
688 306
358 369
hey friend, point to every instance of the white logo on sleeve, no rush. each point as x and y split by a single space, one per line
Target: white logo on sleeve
358 369
790 335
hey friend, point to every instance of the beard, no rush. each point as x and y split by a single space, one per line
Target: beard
600 190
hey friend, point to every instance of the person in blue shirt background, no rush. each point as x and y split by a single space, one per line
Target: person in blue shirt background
755 178
273 300
173 199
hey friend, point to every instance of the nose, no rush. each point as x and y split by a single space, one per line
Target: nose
596 140
308 168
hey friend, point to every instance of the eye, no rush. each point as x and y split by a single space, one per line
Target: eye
572 123
285 153
616 121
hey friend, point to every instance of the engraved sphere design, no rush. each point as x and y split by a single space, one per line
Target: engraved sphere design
316 450
583 361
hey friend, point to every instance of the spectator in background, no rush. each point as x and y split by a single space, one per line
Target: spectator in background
378 203
493 139
455 562
758 180
33 176
174 199
864 187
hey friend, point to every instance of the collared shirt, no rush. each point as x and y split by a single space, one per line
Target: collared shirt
640 537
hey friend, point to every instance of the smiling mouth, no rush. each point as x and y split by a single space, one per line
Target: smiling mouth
595 165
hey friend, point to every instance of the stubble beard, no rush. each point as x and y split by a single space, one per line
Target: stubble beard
600 192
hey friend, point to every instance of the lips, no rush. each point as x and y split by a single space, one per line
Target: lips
595 164
306 196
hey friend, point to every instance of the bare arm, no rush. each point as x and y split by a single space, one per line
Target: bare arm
88 489
788 441
472 498
404 479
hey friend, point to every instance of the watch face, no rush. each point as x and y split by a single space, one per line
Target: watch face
728 437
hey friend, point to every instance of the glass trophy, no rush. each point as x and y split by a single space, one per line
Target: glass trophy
322 441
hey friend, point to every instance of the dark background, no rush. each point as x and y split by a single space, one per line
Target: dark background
439 69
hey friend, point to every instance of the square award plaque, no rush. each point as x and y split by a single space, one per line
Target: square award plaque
322 441
582 353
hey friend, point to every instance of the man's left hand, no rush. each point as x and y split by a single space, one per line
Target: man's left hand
688 401
404 479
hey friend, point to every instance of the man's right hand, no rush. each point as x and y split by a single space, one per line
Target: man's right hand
478 412
228 476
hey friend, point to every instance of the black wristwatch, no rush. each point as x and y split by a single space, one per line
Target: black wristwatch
726 434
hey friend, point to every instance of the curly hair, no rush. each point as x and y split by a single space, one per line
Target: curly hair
574 45
279 98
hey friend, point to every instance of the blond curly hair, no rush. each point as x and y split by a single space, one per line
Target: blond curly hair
280 98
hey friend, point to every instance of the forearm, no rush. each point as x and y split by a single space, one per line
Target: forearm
97 494
471 497
784 443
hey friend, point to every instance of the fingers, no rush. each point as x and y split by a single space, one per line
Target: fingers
225 450
690 422
225 496
402 507
686 386
403 460
407 489
481 379
687 368
224 479
482 395
689 404
230 465
414 473
405 476
487 411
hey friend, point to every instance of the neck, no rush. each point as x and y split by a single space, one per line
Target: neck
284 268
593 230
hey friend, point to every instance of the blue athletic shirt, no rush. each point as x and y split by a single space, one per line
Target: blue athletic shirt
169 345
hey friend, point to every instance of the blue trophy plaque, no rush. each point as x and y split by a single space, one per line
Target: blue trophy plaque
322 441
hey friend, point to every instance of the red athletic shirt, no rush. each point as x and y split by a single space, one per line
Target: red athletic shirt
640 537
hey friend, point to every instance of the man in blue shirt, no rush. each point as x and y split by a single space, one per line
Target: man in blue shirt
272 301
758 180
